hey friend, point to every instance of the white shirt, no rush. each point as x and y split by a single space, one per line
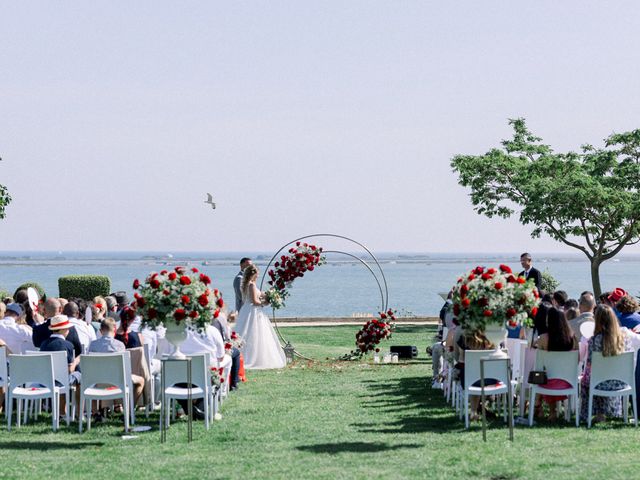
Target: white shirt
86 333
210 342
17 337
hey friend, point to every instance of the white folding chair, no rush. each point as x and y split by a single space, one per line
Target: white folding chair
148 355
61 377
515 347
619 367
562 366
4 376
104 377
176 373
496 370
29 370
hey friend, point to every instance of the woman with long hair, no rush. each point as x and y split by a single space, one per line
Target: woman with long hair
261 348
559 338
124 333
609 339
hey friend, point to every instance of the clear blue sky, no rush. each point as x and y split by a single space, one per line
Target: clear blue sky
300 117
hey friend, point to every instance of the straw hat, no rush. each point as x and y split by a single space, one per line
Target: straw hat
59 322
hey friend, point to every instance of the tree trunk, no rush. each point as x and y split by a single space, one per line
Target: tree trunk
595 276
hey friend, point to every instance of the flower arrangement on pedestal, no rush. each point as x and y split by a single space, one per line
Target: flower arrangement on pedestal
179 297
490 296
301 259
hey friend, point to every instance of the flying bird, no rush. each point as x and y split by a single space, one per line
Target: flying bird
209 200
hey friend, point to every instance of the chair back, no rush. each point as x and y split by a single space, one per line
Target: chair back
496 370
32 369
561 365
515 347
4 375
139 364
60 366
106 368
619 367
176 372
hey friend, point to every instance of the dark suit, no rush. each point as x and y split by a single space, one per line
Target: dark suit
41 333
535 274
237 282
235 355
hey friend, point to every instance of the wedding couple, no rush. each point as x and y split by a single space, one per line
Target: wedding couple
261 348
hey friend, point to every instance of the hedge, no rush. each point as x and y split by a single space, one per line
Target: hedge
84 286
39 289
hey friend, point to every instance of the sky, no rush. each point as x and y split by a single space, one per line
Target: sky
116 117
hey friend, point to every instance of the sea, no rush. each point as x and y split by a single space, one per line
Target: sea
348 285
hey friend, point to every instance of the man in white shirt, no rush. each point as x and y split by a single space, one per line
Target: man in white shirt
18 338
209 342
86 333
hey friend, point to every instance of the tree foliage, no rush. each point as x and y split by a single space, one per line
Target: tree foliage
588 200
5 199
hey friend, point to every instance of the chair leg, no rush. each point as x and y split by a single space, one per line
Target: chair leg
81 413
55 410
206 410
590 409
19 413
466 410
8 405
625 409
88 413
532 397
126 405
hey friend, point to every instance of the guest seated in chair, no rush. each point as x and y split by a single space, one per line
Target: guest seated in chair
559 338
472 341
57 342
124 333
609 339
108 344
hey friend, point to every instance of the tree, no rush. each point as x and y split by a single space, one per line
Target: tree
588 200
5 199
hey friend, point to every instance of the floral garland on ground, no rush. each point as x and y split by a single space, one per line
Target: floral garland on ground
372 333
179 297
301 259
494 296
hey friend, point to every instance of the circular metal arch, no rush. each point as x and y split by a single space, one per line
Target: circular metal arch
384 297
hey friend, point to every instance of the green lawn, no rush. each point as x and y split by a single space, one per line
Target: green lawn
328 420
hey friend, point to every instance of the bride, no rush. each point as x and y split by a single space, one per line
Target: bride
261 346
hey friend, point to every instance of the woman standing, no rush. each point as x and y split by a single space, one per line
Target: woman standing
261 349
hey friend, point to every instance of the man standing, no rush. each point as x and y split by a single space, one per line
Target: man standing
529 271
237 282
222 326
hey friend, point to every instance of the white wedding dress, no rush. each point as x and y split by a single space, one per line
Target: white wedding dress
261 348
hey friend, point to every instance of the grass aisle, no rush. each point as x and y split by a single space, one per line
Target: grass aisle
328 420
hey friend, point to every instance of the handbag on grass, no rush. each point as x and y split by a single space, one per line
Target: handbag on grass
537 377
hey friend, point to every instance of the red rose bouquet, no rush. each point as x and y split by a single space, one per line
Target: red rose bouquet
179 296
372 333
301 259
494 296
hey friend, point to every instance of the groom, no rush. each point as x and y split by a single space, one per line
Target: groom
237 282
